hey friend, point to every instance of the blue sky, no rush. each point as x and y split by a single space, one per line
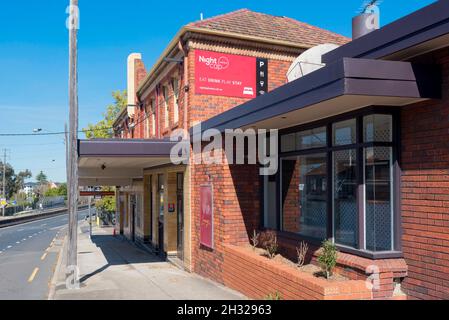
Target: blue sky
33 57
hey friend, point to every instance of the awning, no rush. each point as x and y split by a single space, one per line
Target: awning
118 162
342 86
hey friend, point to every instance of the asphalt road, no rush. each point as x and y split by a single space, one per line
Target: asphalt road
27 260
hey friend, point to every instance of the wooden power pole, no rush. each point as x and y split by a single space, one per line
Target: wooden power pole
72 172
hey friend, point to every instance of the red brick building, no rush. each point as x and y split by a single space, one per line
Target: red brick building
363 155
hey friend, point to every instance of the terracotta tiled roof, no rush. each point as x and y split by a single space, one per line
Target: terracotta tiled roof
250 23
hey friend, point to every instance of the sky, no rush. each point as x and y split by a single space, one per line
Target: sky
34 58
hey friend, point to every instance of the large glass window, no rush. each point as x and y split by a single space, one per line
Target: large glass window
304 195
340 184
378 198
345 197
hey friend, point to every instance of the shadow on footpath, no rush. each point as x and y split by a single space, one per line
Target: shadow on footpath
118 251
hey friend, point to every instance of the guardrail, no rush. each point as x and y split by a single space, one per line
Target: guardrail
8 222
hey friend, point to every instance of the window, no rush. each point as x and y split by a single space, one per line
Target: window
166 111
175 84
344 200
378 127
153 117
379 198
344 132
304 195
308 139
355 157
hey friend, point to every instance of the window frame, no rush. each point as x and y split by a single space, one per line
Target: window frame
360 147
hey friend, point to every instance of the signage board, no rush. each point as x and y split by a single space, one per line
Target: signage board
97 194
261 76
230 75
207 217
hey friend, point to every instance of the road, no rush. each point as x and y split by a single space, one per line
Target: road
27 260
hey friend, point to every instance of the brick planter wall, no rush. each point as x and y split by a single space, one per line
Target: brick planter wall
257 277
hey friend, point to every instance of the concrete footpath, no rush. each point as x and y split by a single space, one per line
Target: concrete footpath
111 268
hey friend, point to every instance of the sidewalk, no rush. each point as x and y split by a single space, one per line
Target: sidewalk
111 268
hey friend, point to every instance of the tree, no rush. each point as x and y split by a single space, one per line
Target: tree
14 182
41 178
103 128
57 192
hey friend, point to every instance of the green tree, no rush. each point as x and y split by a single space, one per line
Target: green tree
56 192
41 178
103 128
14 182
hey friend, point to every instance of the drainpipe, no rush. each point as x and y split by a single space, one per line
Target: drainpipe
186 83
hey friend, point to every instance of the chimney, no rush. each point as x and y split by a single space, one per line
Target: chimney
136 73
366 22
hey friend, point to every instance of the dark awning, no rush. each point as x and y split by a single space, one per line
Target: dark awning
342 86
116 162
422 31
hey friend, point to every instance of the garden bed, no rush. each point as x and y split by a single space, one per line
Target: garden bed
257 276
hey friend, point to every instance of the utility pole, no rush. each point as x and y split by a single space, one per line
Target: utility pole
72 178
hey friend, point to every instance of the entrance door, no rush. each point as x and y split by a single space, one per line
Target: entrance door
161 189
180 212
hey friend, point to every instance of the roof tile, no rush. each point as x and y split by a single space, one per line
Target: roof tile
250 23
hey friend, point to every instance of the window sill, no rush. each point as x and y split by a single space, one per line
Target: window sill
289 236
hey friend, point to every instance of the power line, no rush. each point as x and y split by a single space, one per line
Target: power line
139 121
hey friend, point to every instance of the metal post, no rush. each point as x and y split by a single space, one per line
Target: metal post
72 261
90 217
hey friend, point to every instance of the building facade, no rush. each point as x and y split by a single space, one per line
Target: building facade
363 155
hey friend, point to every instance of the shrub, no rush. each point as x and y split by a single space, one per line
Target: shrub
328 257
274 296
302 253
271 244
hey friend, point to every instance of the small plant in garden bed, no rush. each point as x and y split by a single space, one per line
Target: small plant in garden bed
328 257
255 240
274 296
302 253
270 244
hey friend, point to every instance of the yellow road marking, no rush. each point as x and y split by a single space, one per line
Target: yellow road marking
44 256
33 275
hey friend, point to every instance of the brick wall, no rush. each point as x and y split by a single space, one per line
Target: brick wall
257 277
425 191
236 212
236 187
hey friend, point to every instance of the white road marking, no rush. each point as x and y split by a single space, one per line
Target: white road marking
29 237
18 242
44 256
9 247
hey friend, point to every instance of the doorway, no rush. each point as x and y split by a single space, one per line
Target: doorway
180 213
